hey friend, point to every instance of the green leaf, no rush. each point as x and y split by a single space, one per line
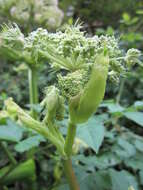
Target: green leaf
139 145
88 182
141 176
103 181
92 133
11 132
99 180
85 180
101 162
29 143
135 164
112 107
101 118
125 145
137 117
122 180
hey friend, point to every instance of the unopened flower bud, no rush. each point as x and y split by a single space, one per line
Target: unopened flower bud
53 103
132 56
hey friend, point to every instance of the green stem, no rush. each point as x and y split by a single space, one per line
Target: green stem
70 175
8 153
33 95
67 163
33 90
70 138
118 98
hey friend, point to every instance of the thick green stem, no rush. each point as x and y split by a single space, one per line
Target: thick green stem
33 90
70 138
67 163
70 175
8 153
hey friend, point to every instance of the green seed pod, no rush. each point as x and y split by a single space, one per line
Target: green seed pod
82 106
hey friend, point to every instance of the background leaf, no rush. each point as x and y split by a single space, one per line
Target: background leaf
122 180
137 117
11 132
92 133
29 143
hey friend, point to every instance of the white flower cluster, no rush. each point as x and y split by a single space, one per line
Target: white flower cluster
71 49
44 12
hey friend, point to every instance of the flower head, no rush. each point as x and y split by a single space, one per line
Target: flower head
87 62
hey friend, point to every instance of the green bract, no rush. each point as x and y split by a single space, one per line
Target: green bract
83 105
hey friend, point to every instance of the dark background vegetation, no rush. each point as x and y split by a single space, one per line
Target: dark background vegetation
118 164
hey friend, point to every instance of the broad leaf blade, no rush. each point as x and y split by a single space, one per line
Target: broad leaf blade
10 132
122 180
92 133
137 117
29 143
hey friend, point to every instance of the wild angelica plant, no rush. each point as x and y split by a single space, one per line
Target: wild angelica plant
83 65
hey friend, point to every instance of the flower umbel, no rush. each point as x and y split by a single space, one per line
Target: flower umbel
88 61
